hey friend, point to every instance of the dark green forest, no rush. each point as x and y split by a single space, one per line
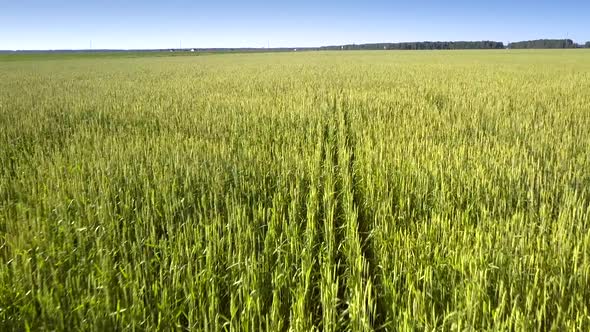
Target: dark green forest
545 43
461 45
427 45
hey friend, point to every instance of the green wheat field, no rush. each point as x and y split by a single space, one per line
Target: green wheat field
300 191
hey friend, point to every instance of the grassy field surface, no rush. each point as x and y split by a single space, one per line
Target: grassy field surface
332 191
44 56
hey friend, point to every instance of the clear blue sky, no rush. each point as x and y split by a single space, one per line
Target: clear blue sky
129 24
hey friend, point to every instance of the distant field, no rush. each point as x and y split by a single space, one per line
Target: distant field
398 191
6 56
40 56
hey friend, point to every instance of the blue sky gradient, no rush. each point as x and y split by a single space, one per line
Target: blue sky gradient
133 24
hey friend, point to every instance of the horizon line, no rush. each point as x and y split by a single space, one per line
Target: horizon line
271 48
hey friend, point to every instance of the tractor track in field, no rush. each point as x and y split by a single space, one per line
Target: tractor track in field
366 220
339 134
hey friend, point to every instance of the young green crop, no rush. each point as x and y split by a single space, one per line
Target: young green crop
296 191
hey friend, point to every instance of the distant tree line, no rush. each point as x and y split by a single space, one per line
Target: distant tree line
461 45
427 45
545 43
